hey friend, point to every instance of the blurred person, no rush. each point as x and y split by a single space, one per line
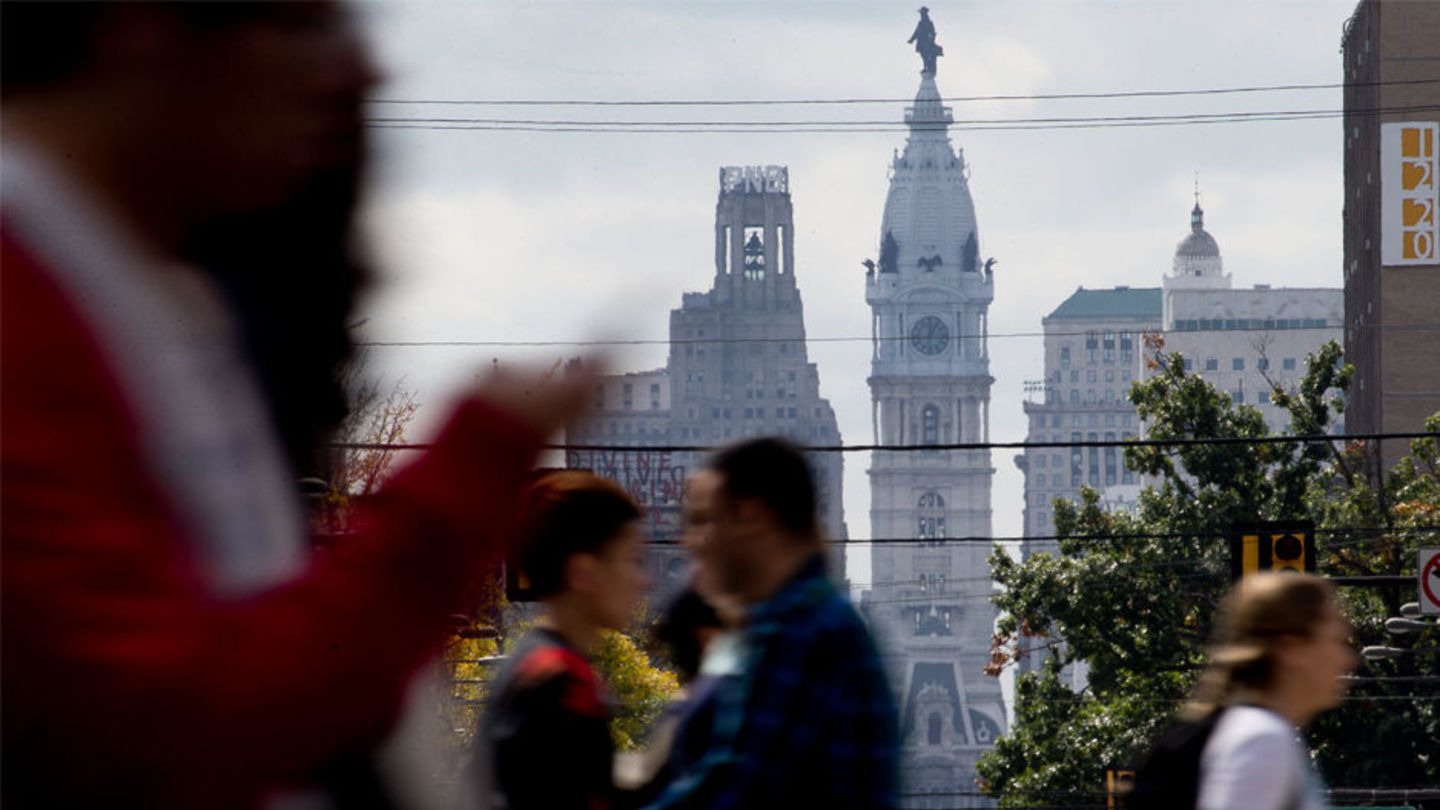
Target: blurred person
544 741
179 182
1280 648
691 631
808 720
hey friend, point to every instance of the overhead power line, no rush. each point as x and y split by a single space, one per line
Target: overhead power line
1178 441
835 339
1352 531
1101 94
559 126
891 122
480 343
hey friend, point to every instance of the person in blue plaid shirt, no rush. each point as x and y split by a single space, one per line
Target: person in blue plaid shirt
810 720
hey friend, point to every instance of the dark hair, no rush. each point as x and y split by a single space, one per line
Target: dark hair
685 616
567 513
43 41
292 275
1263 610
775 472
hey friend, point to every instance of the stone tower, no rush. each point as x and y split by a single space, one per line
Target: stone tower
930 385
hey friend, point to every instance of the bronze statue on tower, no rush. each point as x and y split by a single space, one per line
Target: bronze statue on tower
925 45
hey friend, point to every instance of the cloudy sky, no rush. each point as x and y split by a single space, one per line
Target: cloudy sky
542 235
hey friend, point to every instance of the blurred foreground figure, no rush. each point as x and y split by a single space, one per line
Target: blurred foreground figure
168 642
809 720
544 742
1281 646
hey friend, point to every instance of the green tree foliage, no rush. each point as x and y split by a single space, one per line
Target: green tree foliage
1132 593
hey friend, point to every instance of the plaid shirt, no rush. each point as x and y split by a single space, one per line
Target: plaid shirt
811 721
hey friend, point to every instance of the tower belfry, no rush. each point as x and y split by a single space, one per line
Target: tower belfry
929 296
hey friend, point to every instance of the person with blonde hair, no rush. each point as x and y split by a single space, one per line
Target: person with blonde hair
1280 650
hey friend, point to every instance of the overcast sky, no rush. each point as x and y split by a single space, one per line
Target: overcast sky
550 236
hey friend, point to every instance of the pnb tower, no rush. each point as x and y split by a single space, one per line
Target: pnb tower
929 294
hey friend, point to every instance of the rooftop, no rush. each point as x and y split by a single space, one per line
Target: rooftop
1119 302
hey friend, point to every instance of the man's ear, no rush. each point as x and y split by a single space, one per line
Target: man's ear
750 514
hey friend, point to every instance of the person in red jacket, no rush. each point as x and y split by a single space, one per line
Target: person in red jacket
544 743
168 641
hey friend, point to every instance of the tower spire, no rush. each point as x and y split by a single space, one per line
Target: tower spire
1197 214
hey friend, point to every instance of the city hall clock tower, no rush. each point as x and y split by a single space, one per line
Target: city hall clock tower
929 294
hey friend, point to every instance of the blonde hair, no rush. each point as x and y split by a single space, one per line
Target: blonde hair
1254 618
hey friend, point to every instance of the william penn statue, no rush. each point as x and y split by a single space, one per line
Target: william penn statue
924 39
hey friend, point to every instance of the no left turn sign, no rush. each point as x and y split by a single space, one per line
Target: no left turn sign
1429 580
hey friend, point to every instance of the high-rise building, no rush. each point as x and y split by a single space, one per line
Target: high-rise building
1244 341
738 368
1093 353
1391 52
929 295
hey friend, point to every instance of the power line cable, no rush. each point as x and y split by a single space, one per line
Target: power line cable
847 339
888 122
935 448
1352 531
1102 94
827 127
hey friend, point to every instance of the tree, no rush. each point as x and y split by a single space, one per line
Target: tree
1133 594
639 688
355 473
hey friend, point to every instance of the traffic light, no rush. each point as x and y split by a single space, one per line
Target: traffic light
1272 546
1118 782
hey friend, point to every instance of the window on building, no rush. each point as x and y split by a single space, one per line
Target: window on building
1237 363
1092 347
1189 364
1065 355
754 247
1288 364
930 425
1040 480
1238 395
1262 363
1090 396
1074 396
1109 375
1040 460
1074 375
1090 375
1127 347
1212 364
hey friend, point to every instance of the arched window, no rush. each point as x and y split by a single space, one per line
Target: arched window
930 516
930 425
933 737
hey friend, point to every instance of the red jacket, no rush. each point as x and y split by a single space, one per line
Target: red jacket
124 681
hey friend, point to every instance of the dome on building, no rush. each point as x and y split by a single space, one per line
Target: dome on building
1199 243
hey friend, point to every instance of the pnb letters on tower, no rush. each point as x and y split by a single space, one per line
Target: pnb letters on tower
1410 224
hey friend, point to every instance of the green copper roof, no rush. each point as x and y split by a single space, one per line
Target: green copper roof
1120 302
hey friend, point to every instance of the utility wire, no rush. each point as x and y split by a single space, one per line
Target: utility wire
1104 538
890 122
934 448
1104 94
844 339
825 127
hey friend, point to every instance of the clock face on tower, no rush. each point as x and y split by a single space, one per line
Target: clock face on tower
929 335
